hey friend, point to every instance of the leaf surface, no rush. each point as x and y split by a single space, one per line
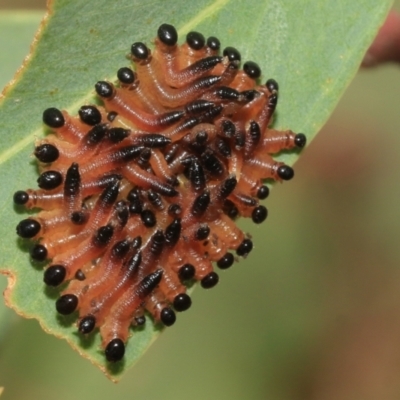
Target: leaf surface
312 48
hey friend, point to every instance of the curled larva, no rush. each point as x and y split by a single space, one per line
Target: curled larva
139 196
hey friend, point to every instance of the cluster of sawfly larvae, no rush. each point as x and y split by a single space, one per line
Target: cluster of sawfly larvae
139 196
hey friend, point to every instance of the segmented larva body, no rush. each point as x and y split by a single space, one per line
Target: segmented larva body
139 196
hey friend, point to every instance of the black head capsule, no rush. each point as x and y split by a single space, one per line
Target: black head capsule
173 232
46 153
111 116
148 218
200 204
252 70
140 51
167 316
140 321
135 208
226 261
38 252
49 180
232 54
28 228
20 197
167 34
203 232
174 210
103 236
210 280
53 118
115 350
126 76
259 214
195 40
87 324
244 248
117 134
186 272
67 304
263 192
182 302
79 217
285 172
79 275
90 115
213 43
272 85
300 140
54 275
104 89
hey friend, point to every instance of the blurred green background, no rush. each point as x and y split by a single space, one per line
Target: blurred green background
313 313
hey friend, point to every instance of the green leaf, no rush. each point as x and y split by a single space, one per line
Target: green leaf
16 32
312 48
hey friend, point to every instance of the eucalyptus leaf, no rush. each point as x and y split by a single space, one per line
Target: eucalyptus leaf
16 32
312 48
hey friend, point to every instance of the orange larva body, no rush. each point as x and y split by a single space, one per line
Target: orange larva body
140 195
